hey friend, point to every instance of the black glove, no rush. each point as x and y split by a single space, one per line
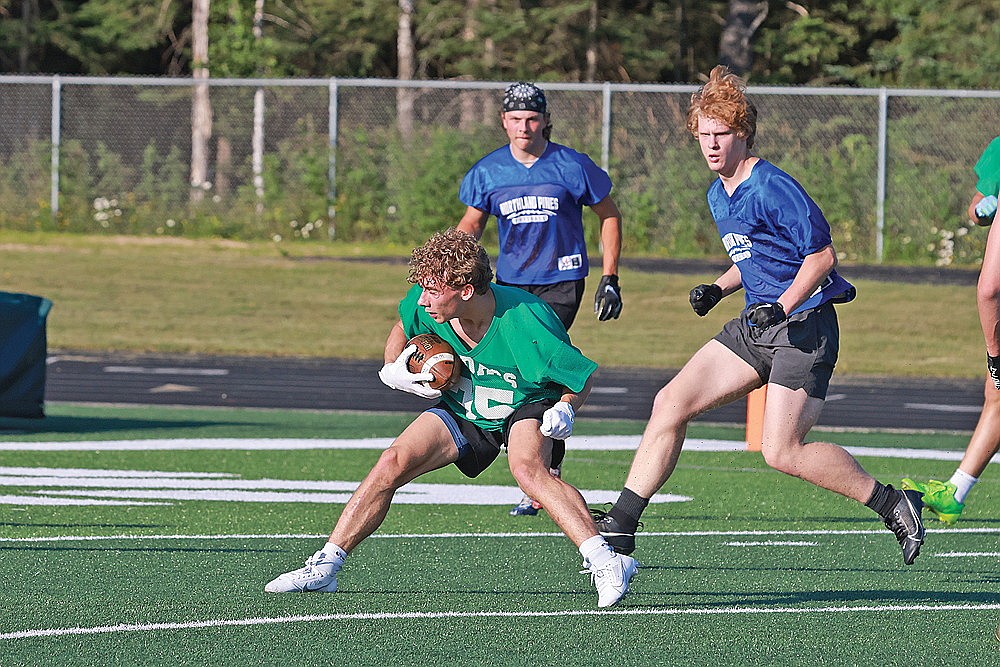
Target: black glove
765 315
704 298
993 366
608 300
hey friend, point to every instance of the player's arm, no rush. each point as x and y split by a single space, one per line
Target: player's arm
608 299
395 342
474 221
611 234
982 209
557 421
814 270
395 374
705 297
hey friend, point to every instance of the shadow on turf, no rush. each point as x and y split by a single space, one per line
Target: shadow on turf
68 424
142 550
80 525
881 597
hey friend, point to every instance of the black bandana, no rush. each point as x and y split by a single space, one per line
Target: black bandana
523 96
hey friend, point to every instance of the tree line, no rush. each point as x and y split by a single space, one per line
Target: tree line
897 43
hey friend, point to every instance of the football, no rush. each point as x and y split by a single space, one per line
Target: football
435 356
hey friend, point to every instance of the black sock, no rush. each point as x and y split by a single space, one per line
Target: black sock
883 500
628 509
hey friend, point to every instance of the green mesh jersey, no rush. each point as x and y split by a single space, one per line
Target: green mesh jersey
988 169
524 357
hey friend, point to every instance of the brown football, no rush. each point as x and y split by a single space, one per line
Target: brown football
435 356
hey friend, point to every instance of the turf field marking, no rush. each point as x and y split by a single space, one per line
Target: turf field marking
438 536
725 611
85 486
772 543
577 443
969 554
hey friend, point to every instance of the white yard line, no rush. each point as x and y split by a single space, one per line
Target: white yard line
520 614
576 443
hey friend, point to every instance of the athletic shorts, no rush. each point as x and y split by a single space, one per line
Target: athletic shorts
565 297
478 448
799 353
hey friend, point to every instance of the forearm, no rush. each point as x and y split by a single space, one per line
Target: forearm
731 281
611 243
577 399
611 234
395 342
814 270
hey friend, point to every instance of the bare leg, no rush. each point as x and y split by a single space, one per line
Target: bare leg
788 416
424 445
985 440
714 376
529 455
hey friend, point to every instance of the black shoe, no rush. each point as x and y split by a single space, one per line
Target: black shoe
619 539
906 524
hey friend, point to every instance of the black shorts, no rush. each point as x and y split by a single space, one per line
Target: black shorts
478 448
799 353
565 297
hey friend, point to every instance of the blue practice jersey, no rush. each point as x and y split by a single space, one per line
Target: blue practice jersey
539 211
768 227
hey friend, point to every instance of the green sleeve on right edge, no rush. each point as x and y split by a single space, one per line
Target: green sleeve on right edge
988 169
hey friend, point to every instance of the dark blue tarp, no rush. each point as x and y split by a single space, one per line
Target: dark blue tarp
23 349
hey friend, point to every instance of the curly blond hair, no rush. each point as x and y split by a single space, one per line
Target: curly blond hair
724 99
451 258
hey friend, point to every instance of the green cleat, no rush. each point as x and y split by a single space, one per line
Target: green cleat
939 498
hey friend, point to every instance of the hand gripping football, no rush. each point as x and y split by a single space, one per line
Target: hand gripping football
435 356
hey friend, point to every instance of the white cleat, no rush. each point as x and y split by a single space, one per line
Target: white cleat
612 580
318 576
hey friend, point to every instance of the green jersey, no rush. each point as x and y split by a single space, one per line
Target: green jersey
524 357
988 169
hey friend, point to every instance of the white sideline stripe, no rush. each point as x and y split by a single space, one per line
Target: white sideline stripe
576 443
772 543
141 370
724 611
934 407
969 554
410 536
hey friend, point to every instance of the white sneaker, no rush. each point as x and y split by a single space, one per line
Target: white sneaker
612 580
319 575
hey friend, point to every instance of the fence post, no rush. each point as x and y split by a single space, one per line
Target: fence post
883 142
56 121
331 174
606 126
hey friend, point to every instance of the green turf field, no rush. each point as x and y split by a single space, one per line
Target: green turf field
144 536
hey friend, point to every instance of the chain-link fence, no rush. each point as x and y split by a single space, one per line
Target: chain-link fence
370 159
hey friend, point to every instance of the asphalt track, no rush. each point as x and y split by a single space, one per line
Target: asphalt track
336 384
625 393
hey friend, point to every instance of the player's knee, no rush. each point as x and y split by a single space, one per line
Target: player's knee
391 467
669 410
781 458
528 475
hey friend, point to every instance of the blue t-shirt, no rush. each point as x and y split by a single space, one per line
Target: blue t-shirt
768 227
539 211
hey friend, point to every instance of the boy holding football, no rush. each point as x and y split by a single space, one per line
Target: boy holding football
522 383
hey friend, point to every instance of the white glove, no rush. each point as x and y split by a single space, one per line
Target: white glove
396 375
986 207
557 421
